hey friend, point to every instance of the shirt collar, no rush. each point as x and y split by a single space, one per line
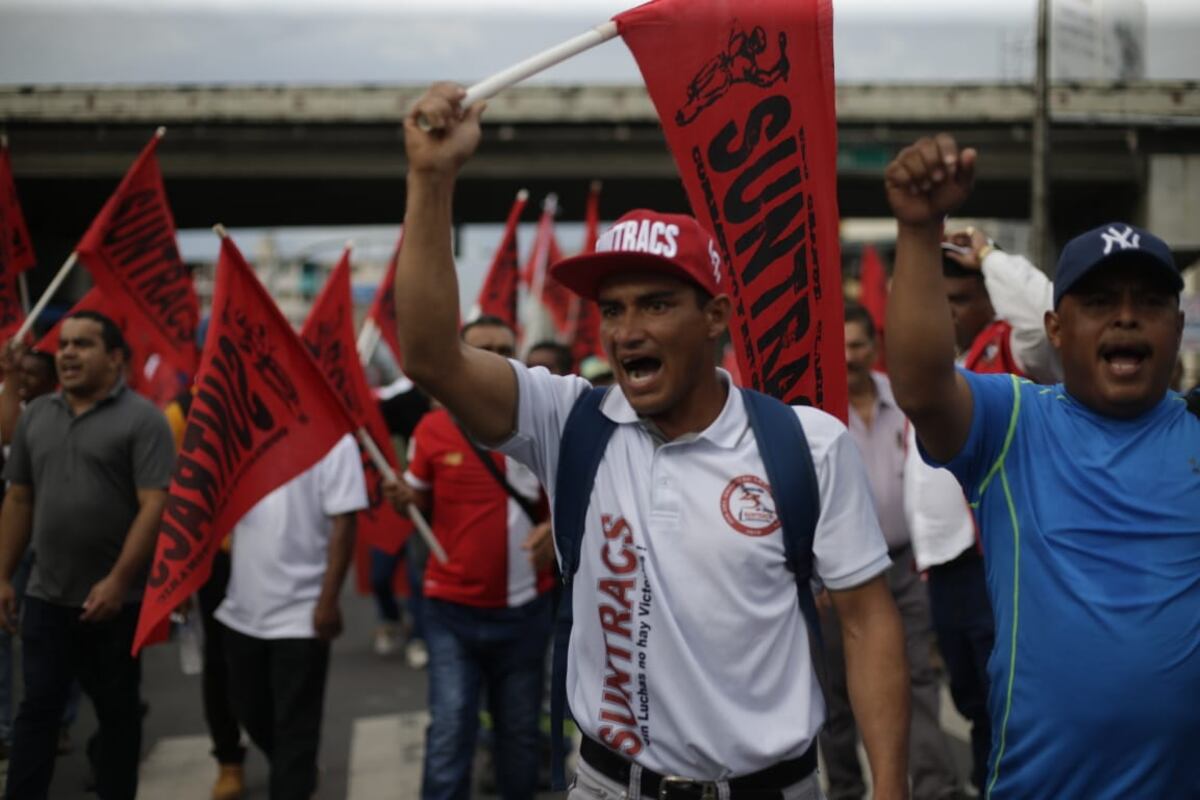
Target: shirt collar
883 390
725 431
61 396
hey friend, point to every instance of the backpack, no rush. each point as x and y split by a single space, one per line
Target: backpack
790 472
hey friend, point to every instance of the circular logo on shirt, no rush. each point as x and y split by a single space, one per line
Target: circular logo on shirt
748 506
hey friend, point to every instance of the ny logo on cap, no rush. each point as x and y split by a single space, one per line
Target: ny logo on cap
1126 239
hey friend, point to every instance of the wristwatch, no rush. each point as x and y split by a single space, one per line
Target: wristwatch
985 251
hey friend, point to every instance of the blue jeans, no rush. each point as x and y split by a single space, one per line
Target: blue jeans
504 650
59 649
19 580
383 571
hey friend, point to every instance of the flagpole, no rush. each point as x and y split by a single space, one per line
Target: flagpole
23 285
490 87
44 300
368 340
376 456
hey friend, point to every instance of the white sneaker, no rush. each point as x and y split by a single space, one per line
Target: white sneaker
416 654
387 640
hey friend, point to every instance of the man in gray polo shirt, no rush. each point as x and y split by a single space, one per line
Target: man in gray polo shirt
88 472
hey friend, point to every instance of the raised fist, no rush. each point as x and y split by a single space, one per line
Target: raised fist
439 135
929 179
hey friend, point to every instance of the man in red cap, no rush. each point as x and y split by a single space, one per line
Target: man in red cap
689 668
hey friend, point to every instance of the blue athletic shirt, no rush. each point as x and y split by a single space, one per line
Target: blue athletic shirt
1091 533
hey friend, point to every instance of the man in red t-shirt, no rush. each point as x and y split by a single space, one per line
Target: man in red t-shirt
488 611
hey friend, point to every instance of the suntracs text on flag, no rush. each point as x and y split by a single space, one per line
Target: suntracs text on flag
131 251
746 102
262 414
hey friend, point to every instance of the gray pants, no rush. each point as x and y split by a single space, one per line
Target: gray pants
591 785
929 763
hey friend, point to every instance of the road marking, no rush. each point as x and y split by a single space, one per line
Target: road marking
386 753
178 768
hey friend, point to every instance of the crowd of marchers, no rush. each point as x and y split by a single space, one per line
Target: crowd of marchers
714 585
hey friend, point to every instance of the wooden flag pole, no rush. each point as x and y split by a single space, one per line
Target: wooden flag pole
376 456
44 300
490 87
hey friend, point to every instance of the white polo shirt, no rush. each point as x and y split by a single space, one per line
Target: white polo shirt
689 653
281 547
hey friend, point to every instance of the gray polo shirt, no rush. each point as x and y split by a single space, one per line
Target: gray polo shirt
85 472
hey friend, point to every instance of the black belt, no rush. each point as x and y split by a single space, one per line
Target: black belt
762 785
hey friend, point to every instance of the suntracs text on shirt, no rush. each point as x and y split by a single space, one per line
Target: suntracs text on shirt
614 590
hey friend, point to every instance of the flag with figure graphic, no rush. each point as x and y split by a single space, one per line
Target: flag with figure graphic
745 96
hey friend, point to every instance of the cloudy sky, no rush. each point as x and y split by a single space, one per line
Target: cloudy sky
406 41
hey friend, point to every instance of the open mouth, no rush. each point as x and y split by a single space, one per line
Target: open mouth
1125 359
641 370
67 370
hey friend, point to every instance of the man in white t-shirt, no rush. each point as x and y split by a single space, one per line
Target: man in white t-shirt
689 657
281 611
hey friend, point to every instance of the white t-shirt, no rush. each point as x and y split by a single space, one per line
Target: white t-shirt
936 509
281 546
689 653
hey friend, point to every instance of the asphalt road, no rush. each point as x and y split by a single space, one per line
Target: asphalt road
371 745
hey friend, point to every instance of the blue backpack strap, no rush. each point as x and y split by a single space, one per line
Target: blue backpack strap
793 478
584 439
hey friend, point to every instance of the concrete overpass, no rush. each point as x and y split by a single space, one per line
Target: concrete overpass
276 155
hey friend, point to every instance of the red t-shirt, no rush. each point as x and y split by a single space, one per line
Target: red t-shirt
991 352
480 526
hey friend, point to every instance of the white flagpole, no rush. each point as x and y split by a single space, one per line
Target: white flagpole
490 87
368 340
376 456
44 300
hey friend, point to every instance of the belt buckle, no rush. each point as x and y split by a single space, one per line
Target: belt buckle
708 789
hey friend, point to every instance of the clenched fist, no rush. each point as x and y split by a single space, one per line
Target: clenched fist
929 179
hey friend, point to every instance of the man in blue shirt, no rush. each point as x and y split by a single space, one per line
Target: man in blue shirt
1088 499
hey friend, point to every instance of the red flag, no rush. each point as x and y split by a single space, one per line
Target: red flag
585 339
16 248
873 296
130 250
747 107
383 308
498 295
12 313
262 414
549 293
329 335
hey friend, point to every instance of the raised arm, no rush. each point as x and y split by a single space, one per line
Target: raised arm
478 387
1021 294
925 182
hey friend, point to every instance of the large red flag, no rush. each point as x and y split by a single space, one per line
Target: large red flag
329 335
744 92
498 295
16 248
585 338
130 250
262 414
382 312
873 296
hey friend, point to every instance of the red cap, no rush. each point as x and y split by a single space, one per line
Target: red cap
645 241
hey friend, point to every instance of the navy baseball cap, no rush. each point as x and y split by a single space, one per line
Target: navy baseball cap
1116 241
